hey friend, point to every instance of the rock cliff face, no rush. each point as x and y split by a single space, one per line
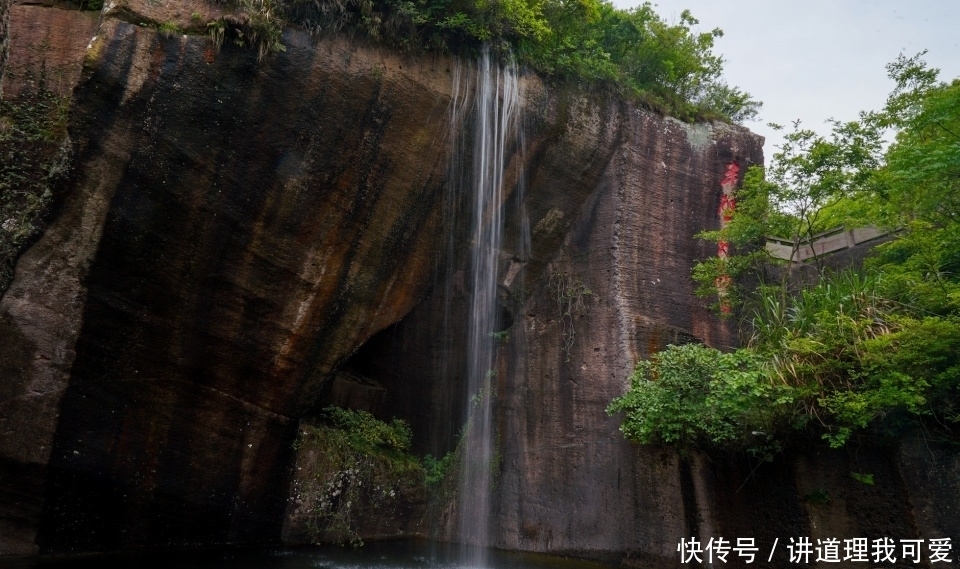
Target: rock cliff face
240 243
607 282
230 234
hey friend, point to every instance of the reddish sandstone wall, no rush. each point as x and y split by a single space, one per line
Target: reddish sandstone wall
236 234
46 48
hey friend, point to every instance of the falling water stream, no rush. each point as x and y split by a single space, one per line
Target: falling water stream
495 107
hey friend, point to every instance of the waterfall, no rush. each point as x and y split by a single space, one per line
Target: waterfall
495 104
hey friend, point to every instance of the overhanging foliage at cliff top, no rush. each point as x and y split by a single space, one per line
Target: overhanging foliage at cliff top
668 68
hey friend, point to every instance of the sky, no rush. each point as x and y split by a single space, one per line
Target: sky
814 60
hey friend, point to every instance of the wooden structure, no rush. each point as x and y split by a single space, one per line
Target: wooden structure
831 241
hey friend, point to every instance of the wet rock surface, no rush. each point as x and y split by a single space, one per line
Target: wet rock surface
606 282
227 239
235 235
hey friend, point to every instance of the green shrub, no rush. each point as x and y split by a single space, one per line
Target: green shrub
861 358
436 470
362 471
836 358
669 68
364 432
692 396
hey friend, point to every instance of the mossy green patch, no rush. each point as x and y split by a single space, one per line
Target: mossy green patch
35 156
361 475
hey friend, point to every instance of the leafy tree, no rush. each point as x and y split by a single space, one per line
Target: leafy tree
919 188
667 67
851 354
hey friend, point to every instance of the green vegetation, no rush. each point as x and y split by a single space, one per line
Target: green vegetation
436 470
667 67
257 24
169 29
862 478
362 470
836 358
818 497
502 336
846 355
33 156
691 396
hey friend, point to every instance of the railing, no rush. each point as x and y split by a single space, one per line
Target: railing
821 244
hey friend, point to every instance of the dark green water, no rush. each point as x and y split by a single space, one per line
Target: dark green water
387 555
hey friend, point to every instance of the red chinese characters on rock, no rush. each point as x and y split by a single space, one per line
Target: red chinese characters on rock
728 204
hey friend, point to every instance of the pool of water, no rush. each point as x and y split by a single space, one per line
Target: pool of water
381 555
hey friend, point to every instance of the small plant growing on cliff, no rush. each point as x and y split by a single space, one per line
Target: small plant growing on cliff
862 478
569 293
818 497
169 29
502 336
34 156
257 24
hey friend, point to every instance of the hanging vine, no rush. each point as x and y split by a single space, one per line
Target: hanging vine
569 292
